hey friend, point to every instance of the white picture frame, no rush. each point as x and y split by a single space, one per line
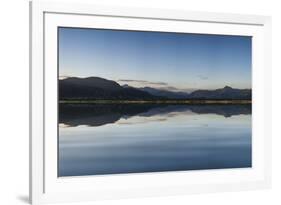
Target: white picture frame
46 187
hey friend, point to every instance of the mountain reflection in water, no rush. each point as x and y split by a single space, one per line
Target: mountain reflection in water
97 115
136 138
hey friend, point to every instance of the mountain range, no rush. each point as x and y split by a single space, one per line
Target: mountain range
96 88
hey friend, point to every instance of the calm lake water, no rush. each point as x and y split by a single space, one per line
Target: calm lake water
112 139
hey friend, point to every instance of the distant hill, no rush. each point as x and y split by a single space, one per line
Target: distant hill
165 93
98 88
223 93
95 88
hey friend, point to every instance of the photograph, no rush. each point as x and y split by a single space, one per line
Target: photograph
133 101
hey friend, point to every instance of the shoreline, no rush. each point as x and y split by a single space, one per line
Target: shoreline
203 102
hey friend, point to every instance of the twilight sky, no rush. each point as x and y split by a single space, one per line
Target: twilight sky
172 61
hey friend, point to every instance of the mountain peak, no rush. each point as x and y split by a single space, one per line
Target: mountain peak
125 86
227 87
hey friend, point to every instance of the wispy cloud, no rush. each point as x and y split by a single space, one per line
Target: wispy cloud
62 77
202 77
158 85
141 82
174 89
129 80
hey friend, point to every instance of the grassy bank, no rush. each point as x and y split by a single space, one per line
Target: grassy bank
156 101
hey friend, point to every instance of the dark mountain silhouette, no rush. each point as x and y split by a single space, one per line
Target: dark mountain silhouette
223 93
165 93
98 88
95 88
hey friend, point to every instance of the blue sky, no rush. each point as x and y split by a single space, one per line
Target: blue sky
173 61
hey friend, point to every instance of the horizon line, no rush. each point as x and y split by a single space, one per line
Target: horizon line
186 90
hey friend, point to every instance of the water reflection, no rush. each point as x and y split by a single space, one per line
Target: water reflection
97 115
112 139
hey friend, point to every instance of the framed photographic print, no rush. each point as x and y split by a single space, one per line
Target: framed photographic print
129 102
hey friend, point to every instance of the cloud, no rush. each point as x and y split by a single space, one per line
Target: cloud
145 82
62 77
202 77
129 80
174 89
158 85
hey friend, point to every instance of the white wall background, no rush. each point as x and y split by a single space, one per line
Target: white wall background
14 100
